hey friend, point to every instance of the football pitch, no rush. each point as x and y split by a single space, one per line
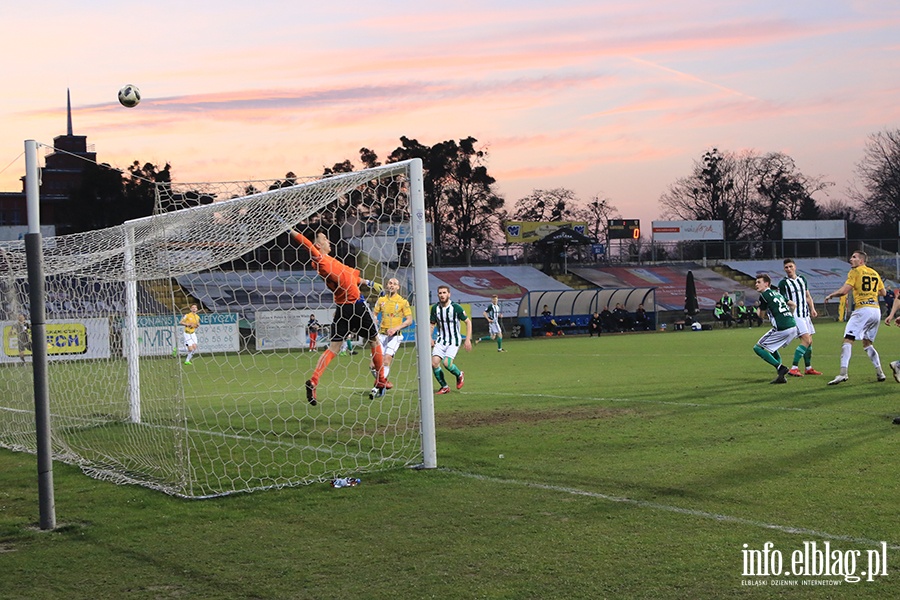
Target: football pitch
659 465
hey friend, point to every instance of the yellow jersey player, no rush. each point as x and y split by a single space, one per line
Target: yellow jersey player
394 315
191 323
866 286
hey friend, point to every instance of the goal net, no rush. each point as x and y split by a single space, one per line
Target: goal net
124 404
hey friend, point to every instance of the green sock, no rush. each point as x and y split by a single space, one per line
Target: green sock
499 343
439 375
349 345
799 353
766 356
484 339
453 369
807 358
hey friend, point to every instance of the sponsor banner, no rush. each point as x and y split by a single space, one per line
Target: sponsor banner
10 233
814 230
526 232
278 329
286 329
683 231
160 334
66 339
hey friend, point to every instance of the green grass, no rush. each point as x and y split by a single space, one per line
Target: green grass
633 466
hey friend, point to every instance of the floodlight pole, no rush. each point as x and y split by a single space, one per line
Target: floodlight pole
34 256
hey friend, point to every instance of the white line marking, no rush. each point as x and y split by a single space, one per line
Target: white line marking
676 509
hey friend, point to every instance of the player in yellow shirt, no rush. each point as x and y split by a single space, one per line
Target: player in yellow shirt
395 315
866 286
191 323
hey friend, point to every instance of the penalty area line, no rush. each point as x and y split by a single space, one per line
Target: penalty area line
674 509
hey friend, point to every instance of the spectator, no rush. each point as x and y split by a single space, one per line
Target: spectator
727 303
622 318
608 320
550 325
641 320
595 325
747 314
723 316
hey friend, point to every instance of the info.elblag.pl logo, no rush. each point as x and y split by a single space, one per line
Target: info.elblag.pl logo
811 563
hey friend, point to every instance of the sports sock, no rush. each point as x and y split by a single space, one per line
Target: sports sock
846 351
873 356
378 358
190 356
439 375
766 356
484 338
322 365
499 343
799 353
453 369
387 369
807 358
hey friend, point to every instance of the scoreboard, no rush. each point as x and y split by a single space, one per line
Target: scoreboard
623 229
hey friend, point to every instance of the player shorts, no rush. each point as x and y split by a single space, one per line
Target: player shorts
190 339
444 350
774 339
24 343
805 325
494 328
863 323
390 343
353 319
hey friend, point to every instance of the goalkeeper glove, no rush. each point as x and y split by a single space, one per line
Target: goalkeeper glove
376 287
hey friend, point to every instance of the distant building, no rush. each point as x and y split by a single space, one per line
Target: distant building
62 174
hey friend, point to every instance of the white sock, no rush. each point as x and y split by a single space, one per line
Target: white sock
846 350
190 354
873 356
386 369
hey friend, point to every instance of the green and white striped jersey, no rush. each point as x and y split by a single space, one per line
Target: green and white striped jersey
446 320
493 311
795 289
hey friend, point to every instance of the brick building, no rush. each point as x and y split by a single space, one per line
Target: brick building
62 174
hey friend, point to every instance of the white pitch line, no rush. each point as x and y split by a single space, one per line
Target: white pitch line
676 509
674 403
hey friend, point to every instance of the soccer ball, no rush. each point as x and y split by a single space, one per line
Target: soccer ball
129 96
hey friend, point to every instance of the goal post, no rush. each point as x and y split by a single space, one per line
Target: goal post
127 408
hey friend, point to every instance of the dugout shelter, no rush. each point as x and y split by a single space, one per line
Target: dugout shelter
572 309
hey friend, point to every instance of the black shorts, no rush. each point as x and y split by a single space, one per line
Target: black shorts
353 319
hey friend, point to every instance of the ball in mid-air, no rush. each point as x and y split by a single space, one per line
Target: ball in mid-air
129 96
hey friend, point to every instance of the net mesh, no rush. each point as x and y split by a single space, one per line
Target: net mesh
125 406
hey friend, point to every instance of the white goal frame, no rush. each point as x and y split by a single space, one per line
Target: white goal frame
144 241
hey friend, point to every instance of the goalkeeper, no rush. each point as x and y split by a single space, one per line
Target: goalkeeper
352 315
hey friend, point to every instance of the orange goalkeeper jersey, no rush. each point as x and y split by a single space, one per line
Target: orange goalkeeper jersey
342 280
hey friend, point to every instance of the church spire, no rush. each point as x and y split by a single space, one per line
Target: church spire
69 111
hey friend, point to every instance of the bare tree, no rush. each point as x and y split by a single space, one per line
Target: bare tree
558 204
782 192
879 175
713 192
749 193
596 214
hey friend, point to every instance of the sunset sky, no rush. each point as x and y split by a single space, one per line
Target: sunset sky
616 99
